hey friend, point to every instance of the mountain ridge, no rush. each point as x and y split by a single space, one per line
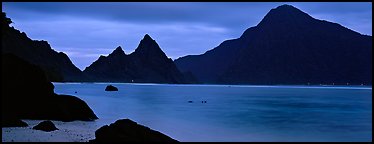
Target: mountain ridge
56 65
148 63
265 53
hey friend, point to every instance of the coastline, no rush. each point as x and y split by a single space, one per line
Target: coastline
184 130
234 85
75 131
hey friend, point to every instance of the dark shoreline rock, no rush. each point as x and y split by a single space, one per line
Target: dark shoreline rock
26 91
9 122
45 126
111 88
72 108
125 130
27 94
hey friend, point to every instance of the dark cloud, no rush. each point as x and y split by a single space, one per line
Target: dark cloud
86 30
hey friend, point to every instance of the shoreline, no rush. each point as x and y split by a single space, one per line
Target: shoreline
225 85
75 131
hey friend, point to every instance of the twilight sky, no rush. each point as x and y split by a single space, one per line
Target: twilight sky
84 31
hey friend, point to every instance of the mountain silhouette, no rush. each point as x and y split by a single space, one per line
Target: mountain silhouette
288 46
147 64
56 65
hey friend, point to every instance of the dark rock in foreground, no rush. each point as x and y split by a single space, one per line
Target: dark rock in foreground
59 107
27 94
111 88
70 108
10 122
45 126
125 130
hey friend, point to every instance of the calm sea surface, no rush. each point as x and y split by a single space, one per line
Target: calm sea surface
235 113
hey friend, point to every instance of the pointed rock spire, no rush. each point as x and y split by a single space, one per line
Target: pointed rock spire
148 46
118 50
147 37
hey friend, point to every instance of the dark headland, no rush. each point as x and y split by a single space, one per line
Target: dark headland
287 47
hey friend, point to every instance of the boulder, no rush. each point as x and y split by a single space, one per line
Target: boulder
70 108
125 130
111 88
45 126
57 107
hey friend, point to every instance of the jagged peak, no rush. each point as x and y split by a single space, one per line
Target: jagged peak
147 46
118 50
147 37
147 43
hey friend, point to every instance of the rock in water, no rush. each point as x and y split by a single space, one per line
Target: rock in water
111 88
125 130
45 126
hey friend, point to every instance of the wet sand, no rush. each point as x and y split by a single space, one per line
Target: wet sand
76 131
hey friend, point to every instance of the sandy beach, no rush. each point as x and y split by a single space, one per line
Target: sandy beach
76 131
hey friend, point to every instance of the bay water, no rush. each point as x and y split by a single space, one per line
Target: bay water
228 113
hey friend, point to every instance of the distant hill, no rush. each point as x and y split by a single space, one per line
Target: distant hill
147 64
56 65
287 47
